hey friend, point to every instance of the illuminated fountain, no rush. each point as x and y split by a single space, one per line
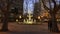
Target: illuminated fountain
29 8
29 20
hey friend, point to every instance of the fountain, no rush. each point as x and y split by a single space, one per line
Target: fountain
29 20
29 8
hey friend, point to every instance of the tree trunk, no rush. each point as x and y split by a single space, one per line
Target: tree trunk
5 22
52 24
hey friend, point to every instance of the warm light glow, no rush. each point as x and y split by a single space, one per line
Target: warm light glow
42 16
16 20
29 20
38 17
29 16
20 16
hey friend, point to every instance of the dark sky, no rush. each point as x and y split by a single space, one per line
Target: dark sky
30 6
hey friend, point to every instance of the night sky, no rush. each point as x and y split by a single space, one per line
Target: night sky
29 6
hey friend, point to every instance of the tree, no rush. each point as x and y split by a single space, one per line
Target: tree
5 9
5 6
52 23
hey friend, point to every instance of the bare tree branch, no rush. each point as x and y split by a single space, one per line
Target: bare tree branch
59 5
45 5
54 3
56 7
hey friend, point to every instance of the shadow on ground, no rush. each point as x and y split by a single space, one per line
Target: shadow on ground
28 32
